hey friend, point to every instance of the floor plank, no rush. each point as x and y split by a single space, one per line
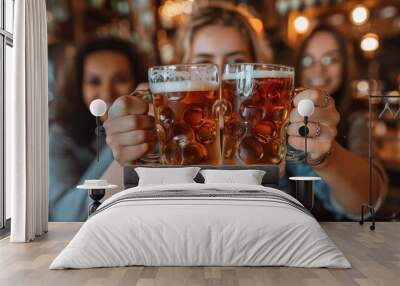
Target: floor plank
374 255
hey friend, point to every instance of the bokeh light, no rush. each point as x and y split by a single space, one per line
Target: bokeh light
359 15
370 42
301 24
174 9
363 86
388 12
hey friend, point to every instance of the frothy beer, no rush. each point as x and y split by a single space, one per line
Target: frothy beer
187 127
256 113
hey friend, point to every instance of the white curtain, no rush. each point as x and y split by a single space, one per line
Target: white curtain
27 124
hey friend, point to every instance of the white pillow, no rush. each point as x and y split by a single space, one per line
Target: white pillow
164 176
248 177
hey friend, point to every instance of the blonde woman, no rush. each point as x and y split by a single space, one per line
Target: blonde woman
227 27
222 34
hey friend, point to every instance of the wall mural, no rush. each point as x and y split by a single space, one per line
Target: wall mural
206 107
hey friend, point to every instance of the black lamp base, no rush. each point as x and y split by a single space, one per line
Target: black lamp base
303 191
96 195
372 212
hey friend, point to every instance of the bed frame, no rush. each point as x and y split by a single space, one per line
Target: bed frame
271 177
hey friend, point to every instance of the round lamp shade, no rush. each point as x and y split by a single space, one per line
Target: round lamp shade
98 107
305 107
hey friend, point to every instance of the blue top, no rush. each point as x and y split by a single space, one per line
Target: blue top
70 165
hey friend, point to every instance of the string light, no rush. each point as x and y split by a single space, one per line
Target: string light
370 42
301 24
359 15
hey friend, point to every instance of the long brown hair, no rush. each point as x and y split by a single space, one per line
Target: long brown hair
68 108
342 95
227 15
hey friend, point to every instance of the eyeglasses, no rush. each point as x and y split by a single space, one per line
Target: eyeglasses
326 61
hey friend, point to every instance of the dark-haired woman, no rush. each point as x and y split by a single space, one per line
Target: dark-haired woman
324 62
105 68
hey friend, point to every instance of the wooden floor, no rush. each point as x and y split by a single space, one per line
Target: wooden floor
375 257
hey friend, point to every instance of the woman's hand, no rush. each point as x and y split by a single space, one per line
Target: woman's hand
130 131
322 123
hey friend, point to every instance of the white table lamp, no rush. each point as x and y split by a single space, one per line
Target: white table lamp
98 108
305 108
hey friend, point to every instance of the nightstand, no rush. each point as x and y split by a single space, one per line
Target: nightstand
303 190
96 191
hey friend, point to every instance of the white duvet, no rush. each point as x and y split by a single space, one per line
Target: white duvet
200 231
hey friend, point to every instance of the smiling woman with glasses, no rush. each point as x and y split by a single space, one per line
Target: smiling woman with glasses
324 61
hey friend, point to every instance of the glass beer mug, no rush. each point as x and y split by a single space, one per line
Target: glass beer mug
184 100
256 100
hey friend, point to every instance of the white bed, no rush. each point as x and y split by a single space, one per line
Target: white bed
269 228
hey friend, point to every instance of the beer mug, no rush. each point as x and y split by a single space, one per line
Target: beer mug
154 156
256 100
184 99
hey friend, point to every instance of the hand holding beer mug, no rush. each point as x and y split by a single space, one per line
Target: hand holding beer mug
184 97
257 102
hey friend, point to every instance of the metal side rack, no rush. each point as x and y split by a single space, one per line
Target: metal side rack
373 100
